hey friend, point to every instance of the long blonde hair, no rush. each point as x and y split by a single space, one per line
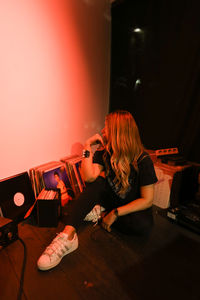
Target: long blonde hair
124 145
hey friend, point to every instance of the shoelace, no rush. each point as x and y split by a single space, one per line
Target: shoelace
58 246
95 214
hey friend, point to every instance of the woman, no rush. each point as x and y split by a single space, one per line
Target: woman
65 197
120 177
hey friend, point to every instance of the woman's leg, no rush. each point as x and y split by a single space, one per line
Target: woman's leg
93 193
67 241
138 223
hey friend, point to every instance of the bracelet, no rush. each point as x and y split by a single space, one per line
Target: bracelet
116 212
86 153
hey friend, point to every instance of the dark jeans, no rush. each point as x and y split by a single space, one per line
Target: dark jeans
98 192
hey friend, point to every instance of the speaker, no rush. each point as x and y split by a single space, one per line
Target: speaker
184 186
185 198
48 212
8 232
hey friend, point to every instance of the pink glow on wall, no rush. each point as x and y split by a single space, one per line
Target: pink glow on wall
54 78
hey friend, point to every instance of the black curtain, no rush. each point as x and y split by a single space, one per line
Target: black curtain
155 72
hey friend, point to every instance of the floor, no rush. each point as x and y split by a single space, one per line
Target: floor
166 265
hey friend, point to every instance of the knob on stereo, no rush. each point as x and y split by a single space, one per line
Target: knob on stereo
10 235
8 232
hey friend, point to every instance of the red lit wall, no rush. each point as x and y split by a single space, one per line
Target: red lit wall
54 78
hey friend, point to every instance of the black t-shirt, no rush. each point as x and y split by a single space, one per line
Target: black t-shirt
144 176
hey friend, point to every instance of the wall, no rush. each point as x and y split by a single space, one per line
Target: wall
165 57
54 78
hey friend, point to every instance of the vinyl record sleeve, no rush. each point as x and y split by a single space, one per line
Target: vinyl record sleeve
16 196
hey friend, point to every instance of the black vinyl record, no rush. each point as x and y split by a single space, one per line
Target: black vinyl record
16 196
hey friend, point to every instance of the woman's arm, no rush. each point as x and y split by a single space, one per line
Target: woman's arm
146 201
89 170
142 203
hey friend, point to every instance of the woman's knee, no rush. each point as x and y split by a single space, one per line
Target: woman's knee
135 224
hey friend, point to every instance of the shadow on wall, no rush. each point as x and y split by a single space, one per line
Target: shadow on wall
77 148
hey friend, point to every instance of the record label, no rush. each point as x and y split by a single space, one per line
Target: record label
19 199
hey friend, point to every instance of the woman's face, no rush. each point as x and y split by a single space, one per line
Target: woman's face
56 177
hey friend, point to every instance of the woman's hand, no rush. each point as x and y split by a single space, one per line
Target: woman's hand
108 220
95 139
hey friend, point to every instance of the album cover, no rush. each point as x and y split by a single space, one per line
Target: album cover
36 175
57 179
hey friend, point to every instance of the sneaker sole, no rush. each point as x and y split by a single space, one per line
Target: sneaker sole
55 264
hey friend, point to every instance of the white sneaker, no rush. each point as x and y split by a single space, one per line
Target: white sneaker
59 247
94 214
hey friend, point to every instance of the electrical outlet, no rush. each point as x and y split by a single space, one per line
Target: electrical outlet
168 151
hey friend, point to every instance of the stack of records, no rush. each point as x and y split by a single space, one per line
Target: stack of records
73 164
36 175
52 176
48 195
